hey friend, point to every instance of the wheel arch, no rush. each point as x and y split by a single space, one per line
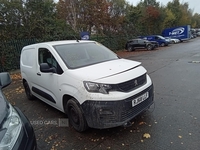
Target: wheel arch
28 89
65 99
24 80
75 114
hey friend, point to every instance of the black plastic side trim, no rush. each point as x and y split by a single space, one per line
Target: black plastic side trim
43 94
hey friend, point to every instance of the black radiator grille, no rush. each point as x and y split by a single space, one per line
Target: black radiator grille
132 84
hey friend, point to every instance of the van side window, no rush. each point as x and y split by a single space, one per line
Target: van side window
45 56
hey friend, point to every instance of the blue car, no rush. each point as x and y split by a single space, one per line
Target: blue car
161 40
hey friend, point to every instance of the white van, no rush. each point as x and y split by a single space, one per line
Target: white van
87 81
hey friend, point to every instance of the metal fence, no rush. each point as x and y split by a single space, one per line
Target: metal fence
10 53
10 50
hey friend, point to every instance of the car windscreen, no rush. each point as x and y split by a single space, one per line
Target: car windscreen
161 37
78 55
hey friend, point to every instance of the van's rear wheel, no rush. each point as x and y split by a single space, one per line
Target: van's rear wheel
28 91
75 115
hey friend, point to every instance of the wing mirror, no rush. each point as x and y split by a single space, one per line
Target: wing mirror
44 67
5 79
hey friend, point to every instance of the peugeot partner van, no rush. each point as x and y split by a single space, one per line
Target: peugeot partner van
87 81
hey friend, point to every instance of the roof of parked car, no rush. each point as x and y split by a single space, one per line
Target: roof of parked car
136 39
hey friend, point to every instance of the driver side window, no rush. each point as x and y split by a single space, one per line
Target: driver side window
45 56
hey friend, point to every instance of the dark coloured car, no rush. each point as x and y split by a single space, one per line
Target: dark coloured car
16 132
133 44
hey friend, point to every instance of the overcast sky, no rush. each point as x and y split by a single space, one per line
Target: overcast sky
193 4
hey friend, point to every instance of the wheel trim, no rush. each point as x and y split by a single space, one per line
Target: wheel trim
75 115
149 47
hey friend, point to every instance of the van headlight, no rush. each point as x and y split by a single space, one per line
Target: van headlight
10 129
97 87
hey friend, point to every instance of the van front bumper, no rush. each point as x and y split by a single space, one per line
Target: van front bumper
107 114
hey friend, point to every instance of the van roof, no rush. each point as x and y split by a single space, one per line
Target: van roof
52 43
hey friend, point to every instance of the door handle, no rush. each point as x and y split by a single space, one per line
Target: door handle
38 74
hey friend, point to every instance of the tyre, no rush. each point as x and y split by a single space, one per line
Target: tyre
173 42
149 47
75 115
162 44
130 48
28 91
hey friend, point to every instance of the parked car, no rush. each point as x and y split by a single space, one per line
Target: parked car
87 81
16 132
198 33
161 40
194 35
172 40
168 39
140 43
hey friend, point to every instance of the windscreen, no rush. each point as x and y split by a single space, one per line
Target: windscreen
78 55
161 37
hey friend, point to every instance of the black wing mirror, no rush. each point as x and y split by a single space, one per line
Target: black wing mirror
44 67
5 79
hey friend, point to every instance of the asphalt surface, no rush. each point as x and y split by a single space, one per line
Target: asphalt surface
173 123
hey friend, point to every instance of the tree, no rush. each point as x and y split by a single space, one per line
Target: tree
186 14
133 24
10 19
117 10
196 20
68 11
169 19
38 16
152 19
175 8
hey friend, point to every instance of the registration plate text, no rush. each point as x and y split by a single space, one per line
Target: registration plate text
140 99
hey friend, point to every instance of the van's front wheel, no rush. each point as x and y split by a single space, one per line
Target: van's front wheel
28 91
75 115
